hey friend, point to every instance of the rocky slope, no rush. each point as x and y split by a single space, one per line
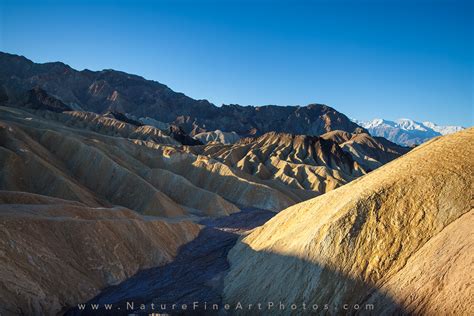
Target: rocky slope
37 98
309 165
47 153
43 102
100 91
218 136
438 278
398 238
57 253
100 160
407 132
111 126
370 152
83 165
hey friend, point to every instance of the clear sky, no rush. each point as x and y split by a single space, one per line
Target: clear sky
367 59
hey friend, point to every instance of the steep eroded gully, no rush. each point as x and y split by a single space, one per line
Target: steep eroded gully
196 275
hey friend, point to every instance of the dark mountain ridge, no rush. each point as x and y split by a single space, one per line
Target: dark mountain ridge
111 90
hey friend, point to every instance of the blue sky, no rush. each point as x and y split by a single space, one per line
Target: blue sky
367 59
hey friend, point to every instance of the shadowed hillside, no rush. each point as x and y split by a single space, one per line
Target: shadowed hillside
46 157
56 253
402 229
197 273
100 91
83 181
100 160
310 165
102 179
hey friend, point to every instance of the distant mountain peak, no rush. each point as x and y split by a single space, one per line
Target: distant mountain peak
405 131
409 125
443 130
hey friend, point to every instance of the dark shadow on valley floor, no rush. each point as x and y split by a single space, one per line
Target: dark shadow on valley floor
197 275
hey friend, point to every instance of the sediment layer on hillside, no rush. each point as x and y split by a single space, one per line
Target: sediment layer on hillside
398 238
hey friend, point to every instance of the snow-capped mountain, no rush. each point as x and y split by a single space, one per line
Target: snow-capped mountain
444 130
406 132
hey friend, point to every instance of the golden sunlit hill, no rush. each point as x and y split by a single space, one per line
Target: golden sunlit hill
307 165
399 238
56 253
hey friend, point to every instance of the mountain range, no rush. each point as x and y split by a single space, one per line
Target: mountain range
114 188
110 90
139 184
407 132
